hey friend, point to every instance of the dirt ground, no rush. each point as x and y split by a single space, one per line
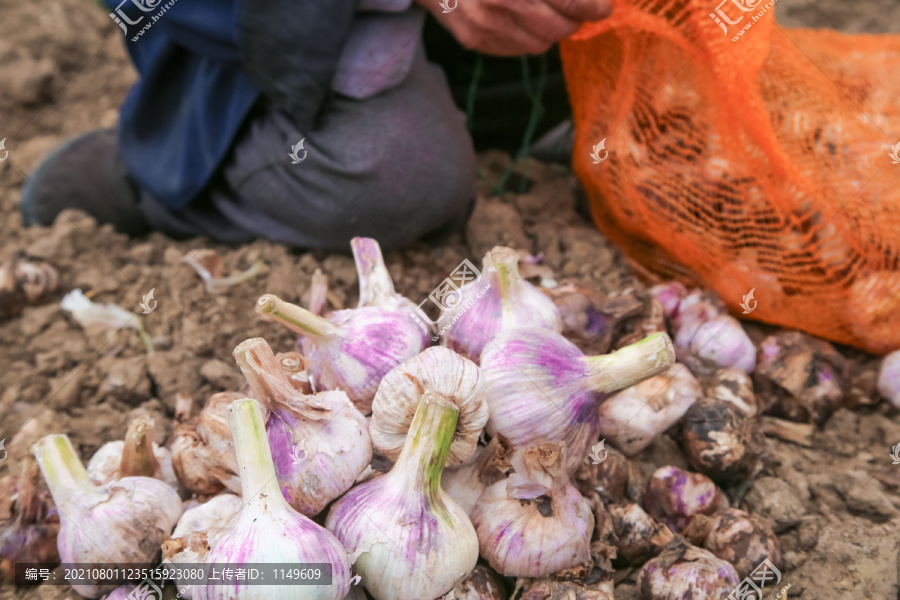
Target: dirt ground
63 71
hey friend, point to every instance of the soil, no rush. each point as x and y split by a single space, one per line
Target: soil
64 71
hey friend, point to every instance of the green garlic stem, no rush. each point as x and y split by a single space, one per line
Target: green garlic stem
630 365
254 457
62 469
300 320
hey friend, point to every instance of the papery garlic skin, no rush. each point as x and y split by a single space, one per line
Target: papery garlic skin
500 300
413 542
29 535
638 535
441 370
743 540
352 349
735 386
632 418
122 522
320 443
675 497
720 442
685 571
465 483
540 387
481 584
267 529
535 522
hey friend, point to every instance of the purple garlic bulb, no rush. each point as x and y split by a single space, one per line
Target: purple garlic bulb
29 536
501 300
674 497
670 296
685 571
352 349
320 442
541 388
267 529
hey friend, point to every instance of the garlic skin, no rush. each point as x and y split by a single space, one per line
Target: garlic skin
638 535
540 387
320 443
444 371
423 544
293 365
203 451
609 478
735 386
720 442
501 301
685 571
481 584
535 522
137 454
126 520
550 588
674 497
376 288
267 529
467 482
352 349
889 378
590 318
632 418
743 540
29 535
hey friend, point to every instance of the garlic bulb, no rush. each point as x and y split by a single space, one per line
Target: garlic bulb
267 529
632 418
675 497
670 296
376 288
719 342
743 540
535 522
590 318
735 386
720 442
320 443
502 301
413 542
889 378
203 451
137 454
454 377
638 535
481 584
124 521
352 349
467 482
540 387
29 535
550 588
610 477
685 571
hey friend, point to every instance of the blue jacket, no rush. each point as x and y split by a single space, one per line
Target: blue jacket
203 65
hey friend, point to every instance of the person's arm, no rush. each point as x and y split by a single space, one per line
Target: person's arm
514 27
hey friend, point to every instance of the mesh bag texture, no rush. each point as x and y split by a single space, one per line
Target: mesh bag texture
747 157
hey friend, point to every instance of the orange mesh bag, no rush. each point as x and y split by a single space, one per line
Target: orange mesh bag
746 156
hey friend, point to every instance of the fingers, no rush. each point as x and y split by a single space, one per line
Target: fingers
497 33
583 10
541 21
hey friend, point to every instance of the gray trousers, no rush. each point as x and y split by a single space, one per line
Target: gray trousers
395 166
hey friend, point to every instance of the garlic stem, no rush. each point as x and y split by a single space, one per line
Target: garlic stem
257 470
506 261
63 471
300 320
137 455
631 364
375 285
265 380
428 445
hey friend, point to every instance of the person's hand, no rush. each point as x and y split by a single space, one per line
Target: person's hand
514 27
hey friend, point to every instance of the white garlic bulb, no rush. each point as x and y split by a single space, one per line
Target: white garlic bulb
137 454
540 387
535 522
320 443
122 522
267 529
632 418
439 369
500 300
412 540
352 349
466 483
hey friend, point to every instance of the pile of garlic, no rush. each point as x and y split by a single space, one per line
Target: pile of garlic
424 472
